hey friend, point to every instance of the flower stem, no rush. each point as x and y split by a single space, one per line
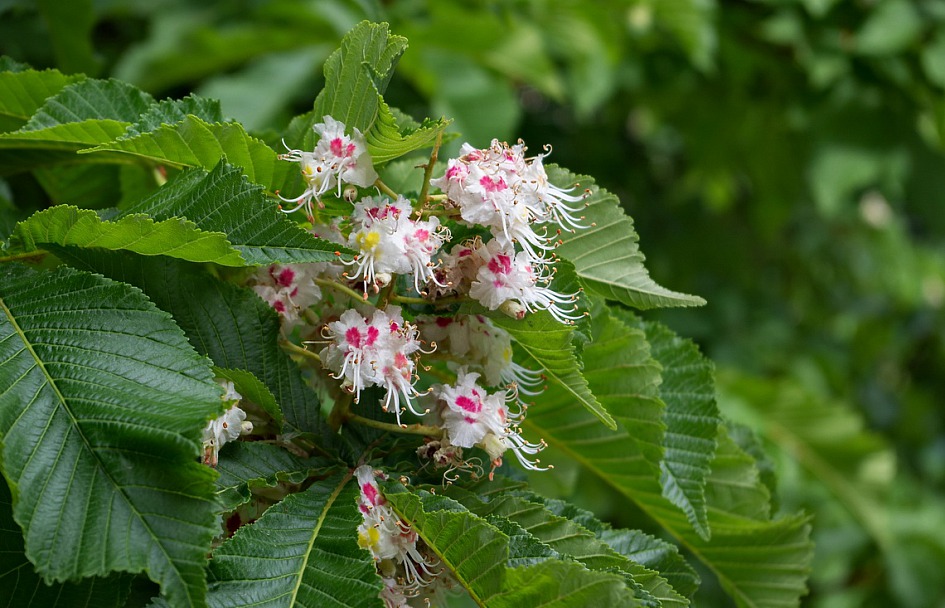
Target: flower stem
428 171
341 411
441 212
385 189
339 287
411 429
304 352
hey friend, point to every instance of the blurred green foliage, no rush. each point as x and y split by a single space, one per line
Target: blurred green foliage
785 159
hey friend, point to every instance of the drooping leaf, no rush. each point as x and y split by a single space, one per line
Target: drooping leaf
646 550
477 554
606 253
302 553
65 225
224 201
23 92
248 465
194 142
104 398
231 325
548 343
568 538
386 140
21 586
757 560
692 419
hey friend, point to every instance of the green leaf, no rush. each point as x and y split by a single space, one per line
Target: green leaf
170 111
21 586
231 325
477 553
224 201
692 420
248 465
22 93
387 141
253 391
82 114
606 254
87 186
303 552
194 142
548 343
757 560
571 539
65 225
118 419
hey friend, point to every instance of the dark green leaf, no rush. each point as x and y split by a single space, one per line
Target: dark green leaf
101 419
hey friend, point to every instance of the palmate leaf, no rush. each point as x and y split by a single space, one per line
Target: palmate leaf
21 586
224 201
23 92
101 414
245 466
302 553
606 253
231 325
66 225
760 562
477 554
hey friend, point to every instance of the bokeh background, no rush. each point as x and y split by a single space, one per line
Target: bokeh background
784 159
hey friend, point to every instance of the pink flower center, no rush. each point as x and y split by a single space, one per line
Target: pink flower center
353 337
338 148
370 492
284 278
469 405
372 334
493 185
500 264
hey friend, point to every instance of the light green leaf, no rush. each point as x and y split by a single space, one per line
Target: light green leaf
248 465
302 553
387 141
224 201
22 93
118 419
20 586
193 142
66 225
758 561
606 254
170 111
231 325
548 343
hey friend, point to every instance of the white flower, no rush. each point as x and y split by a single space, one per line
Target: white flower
228 427
379 352
499 188
390 242
473 417
515 283
391 541
288 288
337 159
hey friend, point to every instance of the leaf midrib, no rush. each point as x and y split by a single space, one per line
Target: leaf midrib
101 465
318 526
